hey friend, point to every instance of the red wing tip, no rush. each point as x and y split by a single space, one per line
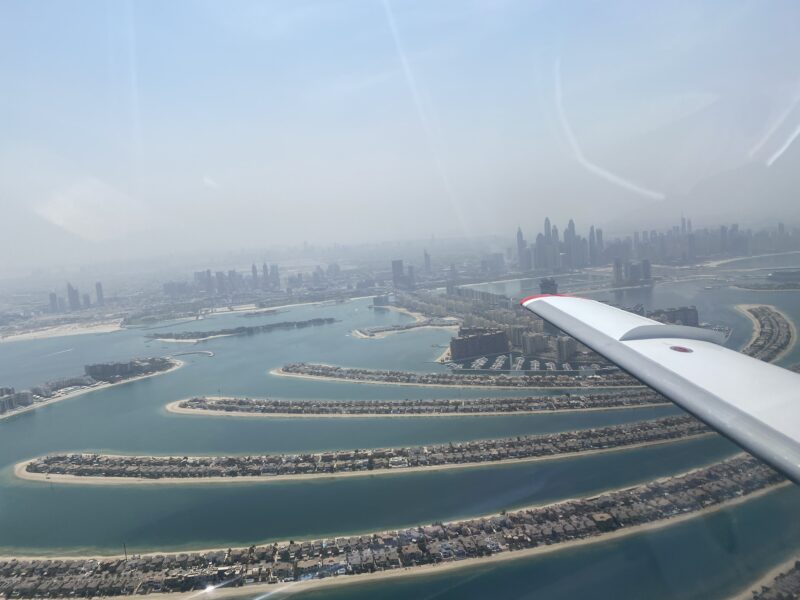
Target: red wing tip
529 298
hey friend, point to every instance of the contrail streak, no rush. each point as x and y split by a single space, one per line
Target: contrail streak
785 146
578 154
775 126
423 117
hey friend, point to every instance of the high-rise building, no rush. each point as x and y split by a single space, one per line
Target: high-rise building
567 348
398 273
98 290
523 253
618 275
411 279
221 287
73 297
647 271
53 302
274 277
548 285
254 271
427 258
547 231
87 301
592 247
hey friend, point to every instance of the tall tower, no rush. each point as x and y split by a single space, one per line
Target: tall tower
98 290
73 297
547 231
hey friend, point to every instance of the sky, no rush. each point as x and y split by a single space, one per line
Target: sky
138 128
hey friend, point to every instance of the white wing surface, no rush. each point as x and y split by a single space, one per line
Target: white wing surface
755 404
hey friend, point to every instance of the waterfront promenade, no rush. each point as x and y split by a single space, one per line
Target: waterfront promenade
458 407
462 544
115 469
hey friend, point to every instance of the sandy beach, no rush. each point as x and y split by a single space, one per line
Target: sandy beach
743 308
765 579
358 333
21 473
717 263
435 569
64 331
174 407
249 308
82 391
281 373
192 341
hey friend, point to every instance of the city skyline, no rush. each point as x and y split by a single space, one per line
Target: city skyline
370 126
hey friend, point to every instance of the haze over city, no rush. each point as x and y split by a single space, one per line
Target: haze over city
255 124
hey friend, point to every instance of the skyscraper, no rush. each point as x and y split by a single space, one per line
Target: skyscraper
98 289
547 231
53 302
274 277
427 258
398 273
523 253
73 297
618 275
254 271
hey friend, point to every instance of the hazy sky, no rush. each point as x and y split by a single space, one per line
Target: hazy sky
153 126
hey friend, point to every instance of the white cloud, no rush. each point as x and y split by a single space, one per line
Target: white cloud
94 211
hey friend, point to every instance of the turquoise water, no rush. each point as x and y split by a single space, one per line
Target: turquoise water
40 518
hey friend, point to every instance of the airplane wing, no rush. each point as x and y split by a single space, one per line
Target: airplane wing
755 404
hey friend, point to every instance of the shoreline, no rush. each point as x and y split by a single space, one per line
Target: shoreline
361 335
766 578
279 372
174 408
743 309
422 570
65 330
21 473
103 386
191 340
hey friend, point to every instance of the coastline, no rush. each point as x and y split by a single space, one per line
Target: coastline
193 340
65 330
423 570
173 407
358 333
278 371
742 308
103 386
444 567
767 578
20 471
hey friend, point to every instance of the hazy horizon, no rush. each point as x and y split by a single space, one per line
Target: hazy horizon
147 128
